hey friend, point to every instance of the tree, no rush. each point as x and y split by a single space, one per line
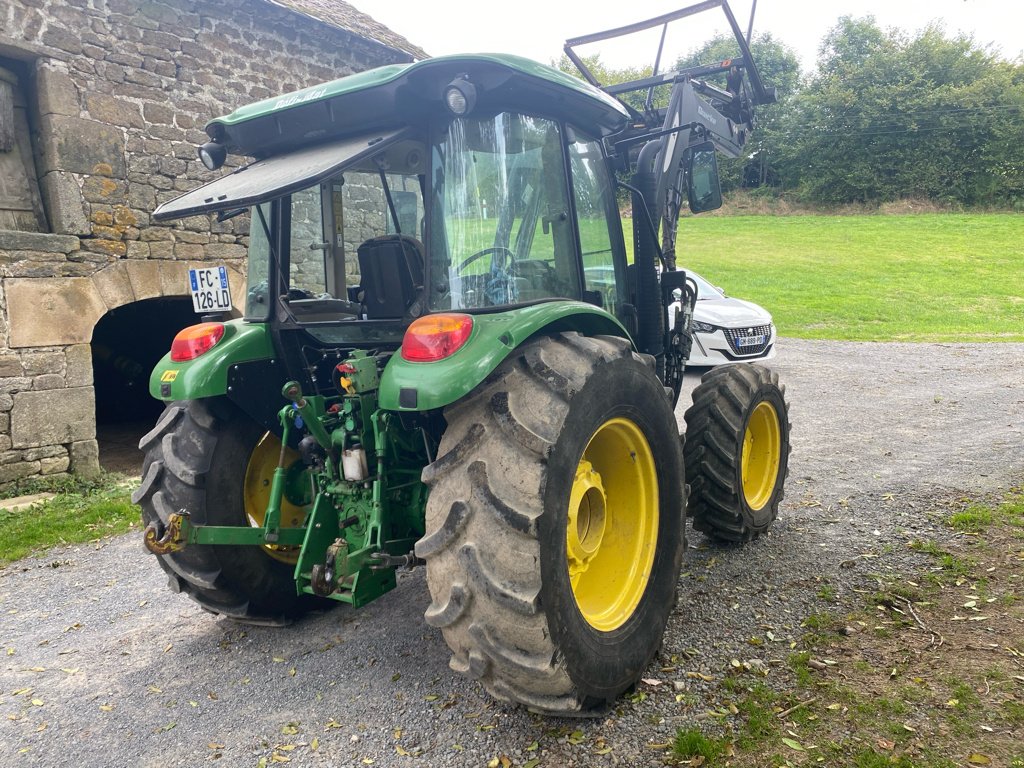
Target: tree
890 116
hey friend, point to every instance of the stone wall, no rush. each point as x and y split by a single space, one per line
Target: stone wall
117 94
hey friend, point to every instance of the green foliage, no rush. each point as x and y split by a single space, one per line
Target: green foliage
690 743
888 116
974 519
885 116
68 484
71 517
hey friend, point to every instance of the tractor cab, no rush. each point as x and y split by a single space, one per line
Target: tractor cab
496 193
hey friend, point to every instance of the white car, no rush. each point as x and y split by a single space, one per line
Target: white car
726 330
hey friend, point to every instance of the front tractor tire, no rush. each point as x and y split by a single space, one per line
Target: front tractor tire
208 458
555 524
737 451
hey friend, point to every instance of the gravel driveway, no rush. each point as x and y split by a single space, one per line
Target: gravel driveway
100 665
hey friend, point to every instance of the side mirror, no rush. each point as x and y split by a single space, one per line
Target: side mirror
702 187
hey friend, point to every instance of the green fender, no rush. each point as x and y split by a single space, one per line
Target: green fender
207 375
407 386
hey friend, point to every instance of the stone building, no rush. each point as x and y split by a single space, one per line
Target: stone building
102 104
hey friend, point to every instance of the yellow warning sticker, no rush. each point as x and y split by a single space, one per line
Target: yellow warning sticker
168 376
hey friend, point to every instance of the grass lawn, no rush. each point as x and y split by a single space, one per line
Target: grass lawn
82 511
928 277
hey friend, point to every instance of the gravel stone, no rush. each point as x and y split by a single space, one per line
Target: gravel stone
101 665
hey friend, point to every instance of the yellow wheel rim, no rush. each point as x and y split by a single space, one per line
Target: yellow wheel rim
612 528
762 446
258 477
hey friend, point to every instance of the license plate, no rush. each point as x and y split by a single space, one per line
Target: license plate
210 289
749 341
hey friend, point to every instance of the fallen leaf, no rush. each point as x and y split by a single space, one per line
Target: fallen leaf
886 744
404 752
977 758
651 681
314 744
793 744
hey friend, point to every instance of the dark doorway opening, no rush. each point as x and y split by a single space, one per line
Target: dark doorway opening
127 343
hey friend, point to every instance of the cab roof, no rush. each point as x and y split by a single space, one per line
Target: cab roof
405 94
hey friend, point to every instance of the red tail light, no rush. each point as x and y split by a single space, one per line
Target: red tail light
195 340
435 337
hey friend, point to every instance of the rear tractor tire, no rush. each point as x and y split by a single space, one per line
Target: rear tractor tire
208 458
737 451
555 525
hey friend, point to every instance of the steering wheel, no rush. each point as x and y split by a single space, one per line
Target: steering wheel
506 257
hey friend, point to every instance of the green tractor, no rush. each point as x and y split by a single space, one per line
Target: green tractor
447 360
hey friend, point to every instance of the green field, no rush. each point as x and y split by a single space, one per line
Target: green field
928 277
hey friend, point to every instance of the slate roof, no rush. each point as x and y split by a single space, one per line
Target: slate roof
338 13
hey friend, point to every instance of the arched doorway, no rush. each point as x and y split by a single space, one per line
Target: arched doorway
127 343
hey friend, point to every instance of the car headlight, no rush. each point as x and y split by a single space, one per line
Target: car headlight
702 327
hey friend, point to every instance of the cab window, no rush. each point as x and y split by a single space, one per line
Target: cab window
594 193
501 231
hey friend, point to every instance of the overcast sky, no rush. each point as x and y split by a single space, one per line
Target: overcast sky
537 29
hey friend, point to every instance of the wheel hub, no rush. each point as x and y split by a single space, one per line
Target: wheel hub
586 525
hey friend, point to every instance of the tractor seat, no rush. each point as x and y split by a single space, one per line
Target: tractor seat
390 275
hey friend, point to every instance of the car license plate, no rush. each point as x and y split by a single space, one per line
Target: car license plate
749 341
210 289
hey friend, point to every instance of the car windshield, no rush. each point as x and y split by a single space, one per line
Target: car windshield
705 290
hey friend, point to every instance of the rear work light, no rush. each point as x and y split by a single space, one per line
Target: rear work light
195 340
435 337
